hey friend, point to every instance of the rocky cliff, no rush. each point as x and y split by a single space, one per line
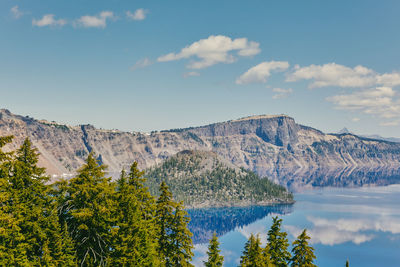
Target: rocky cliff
273 146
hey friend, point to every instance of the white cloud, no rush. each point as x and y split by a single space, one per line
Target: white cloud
261 72
16 12
99 21
330 235
139 14
281 92
389 79
48 20
355 119
191 74
380 101
333 232
332 74
142 63
213 50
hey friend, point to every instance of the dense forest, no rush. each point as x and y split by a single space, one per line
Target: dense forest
202 179
90 220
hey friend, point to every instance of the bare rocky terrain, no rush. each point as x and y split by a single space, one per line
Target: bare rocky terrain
273 146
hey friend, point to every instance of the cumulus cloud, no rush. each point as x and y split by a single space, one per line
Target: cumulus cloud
332 74
281 92
138 14
261 72
48 20
16 12
98 21
380 101
213 50
142 63
191 74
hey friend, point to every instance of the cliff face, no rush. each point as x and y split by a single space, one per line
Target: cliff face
273 146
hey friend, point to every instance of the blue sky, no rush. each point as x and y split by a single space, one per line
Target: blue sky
152 65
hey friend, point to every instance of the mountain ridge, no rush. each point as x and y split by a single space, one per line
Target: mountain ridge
272 146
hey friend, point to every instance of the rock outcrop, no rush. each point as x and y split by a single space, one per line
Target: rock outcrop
273 146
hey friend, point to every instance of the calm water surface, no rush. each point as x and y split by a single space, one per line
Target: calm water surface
362 225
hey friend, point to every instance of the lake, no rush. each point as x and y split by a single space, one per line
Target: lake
358 224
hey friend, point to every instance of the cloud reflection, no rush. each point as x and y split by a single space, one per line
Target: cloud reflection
338 231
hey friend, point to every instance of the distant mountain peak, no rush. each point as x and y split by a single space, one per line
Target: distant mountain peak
344 131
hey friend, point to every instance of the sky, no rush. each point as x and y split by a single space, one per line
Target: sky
153 65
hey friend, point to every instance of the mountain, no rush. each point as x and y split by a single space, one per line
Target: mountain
371 136
203 179
272 146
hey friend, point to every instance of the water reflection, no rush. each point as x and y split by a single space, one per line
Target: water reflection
339 177
222 220
359 224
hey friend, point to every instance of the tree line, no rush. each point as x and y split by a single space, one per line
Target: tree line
90 220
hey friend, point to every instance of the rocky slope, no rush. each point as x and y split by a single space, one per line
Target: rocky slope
202 179
273 146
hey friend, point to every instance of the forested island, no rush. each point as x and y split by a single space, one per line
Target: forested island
90 220
203 179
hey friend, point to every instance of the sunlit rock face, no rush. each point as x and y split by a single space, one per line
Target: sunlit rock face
273 146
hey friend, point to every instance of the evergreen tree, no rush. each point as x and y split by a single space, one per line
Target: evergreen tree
31 197
278 244
253 253
214 257
174 238
303 254
134 242
12 245
347 263
31 212
87 208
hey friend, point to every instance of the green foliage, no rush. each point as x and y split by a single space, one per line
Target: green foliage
88 208
278 244
199 177
175 243
347 263
214 257
134 236
303 253
253 255
30 231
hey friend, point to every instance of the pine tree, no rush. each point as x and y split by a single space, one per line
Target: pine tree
87 208
347 263
303 254
278 244
252 254
31 210
12 245
174 238
214 257
134 242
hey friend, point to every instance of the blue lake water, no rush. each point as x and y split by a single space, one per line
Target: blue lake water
360 224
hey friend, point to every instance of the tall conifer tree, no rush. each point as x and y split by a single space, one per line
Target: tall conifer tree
214 257
303 253
12 241
88 210
134 242
175 243
278 244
